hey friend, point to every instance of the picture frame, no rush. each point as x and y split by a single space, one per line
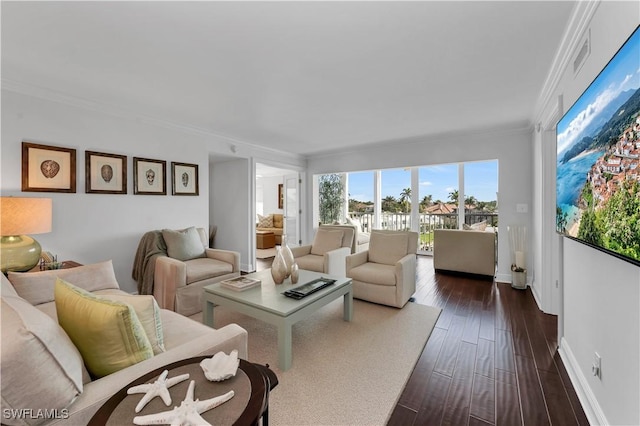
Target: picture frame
280 196
47 168
149 176
105 173
184 179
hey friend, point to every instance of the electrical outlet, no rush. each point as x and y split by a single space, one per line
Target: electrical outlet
596 367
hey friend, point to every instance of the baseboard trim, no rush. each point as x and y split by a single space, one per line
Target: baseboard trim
590 405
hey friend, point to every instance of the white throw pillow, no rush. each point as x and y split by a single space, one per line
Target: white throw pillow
41 367
37 287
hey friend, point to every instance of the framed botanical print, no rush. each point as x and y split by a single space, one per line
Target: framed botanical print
48 168
184 179
105 173
149 176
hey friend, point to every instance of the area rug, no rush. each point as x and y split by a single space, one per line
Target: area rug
343 373
266 253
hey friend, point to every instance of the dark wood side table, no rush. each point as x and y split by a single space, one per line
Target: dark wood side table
251 385
66 264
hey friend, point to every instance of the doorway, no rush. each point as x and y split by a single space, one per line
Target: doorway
277 206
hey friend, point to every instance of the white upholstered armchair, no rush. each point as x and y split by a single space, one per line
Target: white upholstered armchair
328 252
386 273
190 265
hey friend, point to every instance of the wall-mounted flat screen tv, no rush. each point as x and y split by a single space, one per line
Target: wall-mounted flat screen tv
598 159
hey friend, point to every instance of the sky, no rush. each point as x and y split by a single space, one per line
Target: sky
621 73
439 181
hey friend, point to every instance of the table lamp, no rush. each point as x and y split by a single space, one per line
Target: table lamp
20 216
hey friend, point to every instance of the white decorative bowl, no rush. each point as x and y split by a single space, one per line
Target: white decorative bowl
221 366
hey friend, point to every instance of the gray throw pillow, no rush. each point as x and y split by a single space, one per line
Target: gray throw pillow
183 245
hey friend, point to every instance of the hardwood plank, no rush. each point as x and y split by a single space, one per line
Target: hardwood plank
508 412
504 357
447 358
434 400
556 399
419 380
483 398
473 421
456 411
507 377
471 331
539 347
578 411
488 324
534 409
485 364
402 415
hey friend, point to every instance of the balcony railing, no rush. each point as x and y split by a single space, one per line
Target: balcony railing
428 222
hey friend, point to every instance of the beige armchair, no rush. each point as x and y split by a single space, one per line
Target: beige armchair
190 265
328 251
386 273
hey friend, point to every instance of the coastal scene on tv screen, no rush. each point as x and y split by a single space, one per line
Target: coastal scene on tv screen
598 159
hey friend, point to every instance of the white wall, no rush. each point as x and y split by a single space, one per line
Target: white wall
267 192
232 208
601 293
95 227
512 148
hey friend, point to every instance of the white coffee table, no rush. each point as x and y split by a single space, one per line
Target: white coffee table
267 303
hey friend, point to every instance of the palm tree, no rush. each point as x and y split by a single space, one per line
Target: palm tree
427 200
405 199
453 196
389 203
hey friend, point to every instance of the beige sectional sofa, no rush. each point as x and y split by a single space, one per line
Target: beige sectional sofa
43 370
467 251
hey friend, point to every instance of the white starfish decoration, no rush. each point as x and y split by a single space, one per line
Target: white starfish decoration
188 413
158 388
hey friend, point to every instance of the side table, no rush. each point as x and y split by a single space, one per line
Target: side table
66 264
251 385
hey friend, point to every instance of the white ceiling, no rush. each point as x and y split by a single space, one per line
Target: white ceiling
302 77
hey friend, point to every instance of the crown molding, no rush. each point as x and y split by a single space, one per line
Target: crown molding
236 146
578 24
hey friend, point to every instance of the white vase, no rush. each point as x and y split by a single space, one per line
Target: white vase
287 254
278 267
295 273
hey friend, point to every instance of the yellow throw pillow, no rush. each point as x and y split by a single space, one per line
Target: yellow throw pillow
107 333
148 313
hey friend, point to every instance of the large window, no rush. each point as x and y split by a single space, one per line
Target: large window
395 189
421 198
438 195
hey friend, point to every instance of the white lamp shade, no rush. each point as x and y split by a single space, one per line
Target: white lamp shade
21 216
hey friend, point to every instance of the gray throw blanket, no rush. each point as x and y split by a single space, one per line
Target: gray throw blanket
150 247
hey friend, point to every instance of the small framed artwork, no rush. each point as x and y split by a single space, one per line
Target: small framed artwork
184 179
48 168
149 176
105 173
280 197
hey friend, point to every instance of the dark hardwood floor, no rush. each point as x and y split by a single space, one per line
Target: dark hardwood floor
491 358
